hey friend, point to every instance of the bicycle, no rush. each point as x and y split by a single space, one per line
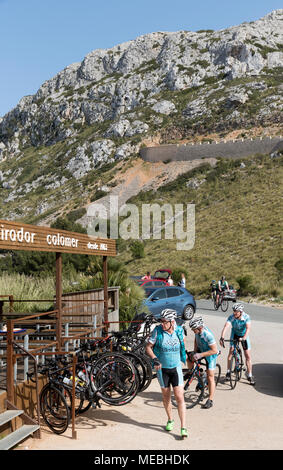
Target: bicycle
108 376
53 404
111 378
132 343
195 383
237 363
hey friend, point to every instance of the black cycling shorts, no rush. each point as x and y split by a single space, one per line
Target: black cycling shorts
167 377
244 343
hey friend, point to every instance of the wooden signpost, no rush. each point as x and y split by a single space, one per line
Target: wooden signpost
18 236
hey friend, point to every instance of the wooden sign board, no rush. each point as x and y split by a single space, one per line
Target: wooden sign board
17 236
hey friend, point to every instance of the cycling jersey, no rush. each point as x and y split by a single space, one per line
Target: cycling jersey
169 347
239 325
239 328
223 285
204 340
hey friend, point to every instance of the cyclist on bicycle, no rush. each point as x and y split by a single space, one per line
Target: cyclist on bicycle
204 347
221 287
167 350
240 323
213 288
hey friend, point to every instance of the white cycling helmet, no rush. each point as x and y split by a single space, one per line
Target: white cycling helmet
196 322
168 314
238 307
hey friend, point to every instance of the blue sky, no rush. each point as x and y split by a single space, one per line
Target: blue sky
40 37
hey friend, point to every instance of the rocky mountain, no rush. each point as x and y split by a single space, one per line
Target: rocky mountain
57 146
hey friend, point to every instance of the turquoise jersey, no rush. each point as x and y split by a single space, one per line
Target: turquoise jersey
169 350
239 325
205 340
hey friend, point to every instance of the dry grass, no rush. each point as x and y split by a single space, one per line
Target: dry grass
238 227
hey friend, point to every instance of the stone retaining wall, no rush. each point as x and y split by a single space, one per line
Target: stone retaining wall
229 149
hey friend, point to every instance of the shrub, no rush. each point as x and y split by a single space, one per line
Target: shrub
279 266
137 249
245 285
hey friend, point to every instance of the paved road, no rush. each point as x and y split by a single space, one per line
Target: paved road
257 312
245 418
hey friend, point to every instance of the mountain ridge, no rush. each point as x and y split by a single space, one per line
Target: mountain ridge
162 87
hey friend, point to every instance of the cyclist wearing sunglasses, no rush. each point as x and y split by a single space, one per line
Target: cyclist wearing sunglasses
167 350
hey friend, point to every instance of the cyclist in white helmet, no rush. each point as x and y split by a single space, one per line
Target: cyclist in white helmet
240 324
167 350
204 347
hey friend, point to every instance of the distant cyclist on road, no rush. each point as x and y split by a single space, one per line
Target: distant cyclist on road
204 347
240 323
167 350
213 288
221 287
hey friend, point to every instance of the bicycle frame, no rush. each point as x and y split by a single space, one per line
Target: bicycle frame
236 371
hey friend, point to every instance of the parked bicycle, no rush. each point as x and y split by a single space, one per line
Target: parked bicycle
110 377
52 399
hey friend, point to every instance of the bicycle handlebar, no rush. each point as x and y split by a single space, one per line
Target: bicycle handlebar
230 341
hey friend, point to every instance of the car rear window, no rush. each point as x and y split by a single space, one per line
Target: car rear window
161 274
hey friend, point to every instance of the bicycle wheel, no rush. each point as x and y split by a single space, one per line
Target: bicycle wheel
193 391
240 364
81 403
233 372
224 305
215 304
148 370
140 368
115 381
54 409
217 374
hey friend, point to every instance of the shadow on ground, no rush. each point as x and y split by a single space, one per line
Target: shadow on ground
269 379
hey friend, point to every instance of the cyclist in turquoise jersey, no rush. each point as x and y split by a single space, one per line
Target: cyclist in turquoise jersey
204 347
240 324
167 350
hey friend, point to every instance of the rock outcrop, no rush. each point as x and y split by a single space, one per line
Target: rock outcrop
98 111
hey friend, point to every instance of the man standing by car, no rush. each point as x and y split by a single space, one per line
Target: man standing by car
167 350
182 282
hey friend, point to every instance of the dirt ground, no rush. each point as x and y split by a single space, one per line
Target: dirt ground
245 418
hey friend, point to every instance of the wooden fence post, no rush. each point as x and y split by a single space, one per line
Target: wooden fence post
10 368
105 284
59 299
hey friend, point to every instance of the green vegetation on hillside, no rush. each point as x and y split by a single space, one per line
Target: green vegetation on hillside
238 227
